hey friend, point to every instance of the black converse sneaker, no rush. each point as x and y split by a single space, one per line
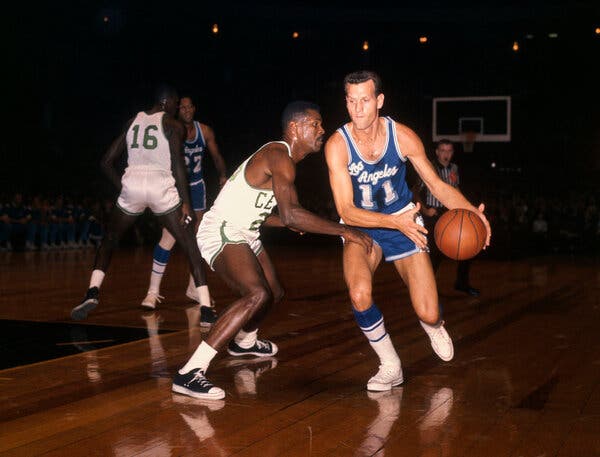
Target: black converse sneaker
195 384
208 316
90 301
262 348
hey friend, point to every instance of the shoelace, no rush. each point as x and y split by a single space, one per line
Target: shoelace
201 379
437 331
262 344
157 297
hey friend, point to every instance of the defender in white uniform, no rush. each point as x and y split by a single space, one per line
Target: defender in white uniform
237 214
229 238
155 178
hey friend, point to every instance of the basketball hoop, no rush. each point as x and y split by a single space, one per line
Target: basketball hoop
468 141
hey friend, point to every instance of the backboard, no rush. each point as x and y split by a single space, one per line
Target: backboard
485 119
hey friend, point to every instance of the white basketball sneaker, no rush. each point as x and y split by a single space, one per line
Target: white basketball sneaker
440 340
387 377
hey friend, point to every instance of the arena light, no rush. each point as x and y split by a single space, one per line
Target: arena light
422 39
365 46
215 28
295 35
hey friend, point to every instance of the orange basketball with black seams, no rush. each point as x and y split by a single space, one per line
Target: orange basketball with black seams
460 234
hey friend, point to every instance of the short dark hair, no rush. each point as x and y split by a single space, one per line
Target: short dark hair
164 91
362 76
444 141
295 109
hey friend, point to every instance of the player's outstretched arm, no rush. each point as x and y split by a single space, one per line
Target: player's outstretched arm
175 132
450 197
292 214
213 149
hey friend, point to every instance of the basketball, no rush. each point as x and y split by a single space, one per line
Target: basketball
460 234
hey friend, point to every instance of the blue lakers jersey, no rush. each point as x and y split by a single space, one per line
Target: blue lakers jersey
378 185
194 153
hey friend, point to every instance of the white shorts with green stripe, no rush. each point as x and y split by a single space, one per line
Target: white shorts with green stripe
215 233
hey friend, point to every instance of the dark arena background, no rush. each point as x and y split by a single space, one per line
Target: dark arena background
525 378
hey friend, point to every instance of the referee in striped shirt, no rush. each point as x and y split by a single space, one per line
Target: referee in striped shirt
432 209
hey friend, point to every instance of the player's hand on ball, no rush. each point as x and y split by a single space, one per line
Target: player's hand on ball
405 222
488 228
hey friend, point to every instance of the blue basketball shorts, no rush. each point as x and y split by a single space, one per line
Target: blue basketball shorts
198 194
393 243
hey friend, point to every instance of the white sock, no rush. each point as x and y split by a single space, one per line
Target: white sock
97 278
386 351
155 280
246 339
204 295
200 358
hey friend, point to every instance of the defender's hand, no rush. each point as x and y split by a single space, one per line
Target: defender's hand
353 235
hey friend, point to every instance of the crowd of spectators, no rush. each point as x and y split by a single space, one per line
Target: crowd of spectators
527 223
43 223
524 223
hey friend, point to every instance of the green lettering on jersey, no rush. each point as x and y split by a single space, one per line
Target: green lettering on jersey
149 142
262 202
258 222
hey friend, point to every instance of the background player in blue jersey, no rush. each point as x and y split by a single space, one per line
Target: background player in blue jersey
367 166
155 178
199 138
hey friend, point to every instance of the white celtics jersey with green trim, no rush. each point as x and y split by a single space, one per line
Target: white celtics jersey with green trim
147 145
240 204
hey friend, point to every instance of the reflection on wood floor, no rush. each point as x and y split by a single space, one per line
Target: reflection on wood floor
525 380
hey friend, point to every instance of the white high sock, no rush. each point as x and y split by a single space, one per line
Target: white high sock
97 278
246 339
386 351
200 358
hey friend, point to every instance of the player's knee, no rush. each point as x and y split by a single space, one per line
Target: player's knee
430 315
166 241
361 297
259 297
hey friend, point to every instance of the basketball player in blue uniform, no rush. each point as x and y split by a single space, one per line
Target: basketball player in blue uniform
155 178
367 170
199 138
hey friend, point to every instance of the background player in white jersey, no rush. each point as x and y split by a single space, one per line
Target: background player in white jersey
199 138
230 243
366 160
155 178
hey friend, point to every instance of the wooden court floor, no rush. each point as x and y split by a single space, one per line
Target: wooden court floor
525 380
